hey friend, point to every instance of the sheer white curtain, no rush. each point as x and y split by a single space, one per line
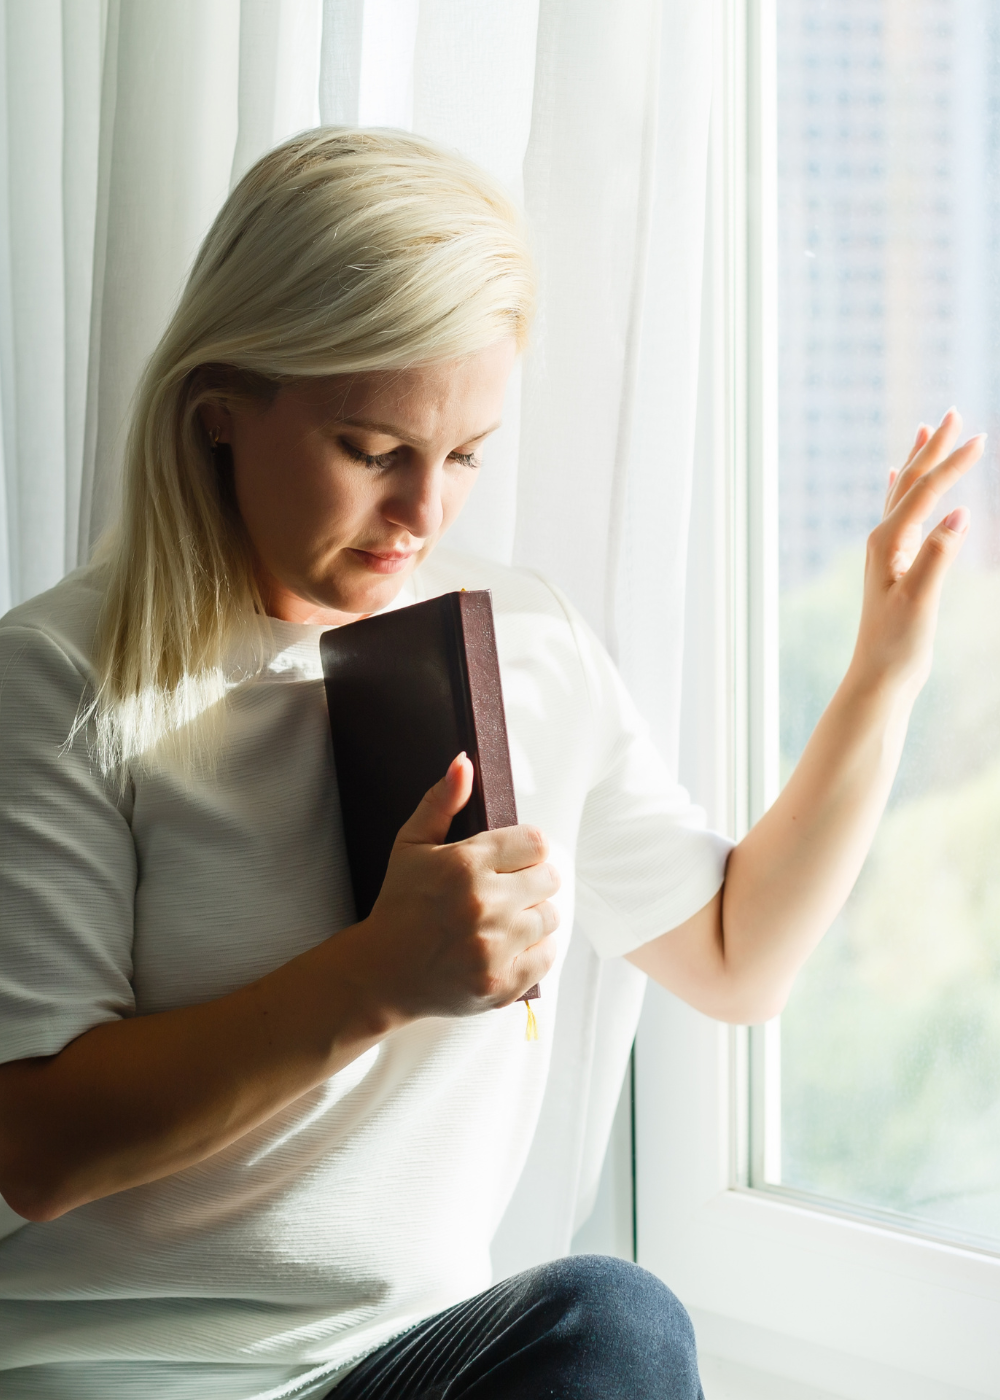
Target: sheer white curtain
124 124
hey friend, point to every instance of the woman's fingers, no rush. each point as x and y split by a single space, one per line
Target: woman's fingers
534 885
537 957
538 922
430 822
510 848
936 554
922 436
926 455
917 502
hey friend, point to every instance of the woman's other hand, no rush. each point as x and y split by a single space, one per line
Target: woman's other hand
788 878
459 928
903 576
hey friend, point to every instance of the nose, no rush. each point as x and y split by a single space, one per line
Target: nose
415 500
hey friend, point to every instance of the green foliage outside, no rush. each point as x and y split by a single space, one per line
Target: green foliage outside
891 1040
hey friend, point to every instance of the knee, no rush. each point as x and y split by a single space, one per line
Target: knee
624 1316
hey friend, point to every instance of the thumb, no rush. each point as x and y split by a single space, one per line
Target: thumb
430 822
937 551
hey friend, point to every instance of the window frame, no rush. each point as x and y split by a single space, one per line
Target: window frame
800 1290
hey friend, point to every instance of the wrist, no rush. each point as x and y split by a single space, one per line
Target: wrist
365 1009
892 689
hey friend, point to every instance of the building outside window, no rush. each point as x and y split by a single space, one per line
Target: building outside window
888 186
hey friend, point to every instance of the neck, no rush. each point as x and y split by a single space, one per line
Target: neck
284 605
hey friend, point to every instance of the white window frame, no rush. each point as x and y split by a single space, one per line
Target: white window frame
830 1304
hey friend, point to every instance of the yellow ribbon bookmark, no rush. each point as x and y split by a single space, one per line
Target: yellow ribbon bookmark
531 1029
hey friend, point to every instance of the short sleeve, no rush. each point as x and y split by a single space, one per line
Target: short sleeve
67 861
645 860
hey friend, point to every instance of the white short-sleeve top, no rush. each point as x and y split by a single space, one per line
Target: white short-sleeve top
369 1203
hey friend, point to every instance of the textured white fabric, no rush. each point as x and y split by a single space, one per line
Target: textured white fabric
373 1200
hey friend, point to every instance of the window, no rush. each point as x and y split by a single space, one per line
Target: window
820 1191
888 160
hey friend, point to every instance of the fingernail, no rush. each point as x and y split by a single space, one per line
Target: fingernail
958 521
947 414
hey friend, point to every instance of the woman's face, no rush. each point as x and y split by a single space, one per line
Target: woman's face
346 483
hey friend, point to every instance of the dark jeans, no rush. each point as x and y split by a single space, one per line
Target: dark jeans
583 1328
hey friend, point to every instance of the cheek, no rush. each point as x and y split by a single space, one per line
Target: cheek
456 493
292 501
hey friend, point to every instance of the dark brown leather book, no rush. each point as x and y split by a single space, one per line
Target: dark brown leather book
407 691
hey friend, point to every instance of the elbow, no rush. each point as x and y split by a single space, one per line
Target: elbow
749 1006
31 1211
29 1190
750 1015
27 1199
36 1172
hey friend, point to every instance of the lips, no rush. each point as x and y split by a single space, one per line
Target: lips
387 561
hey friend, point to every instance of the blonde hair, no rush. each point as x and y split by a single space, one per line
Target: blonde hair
340 251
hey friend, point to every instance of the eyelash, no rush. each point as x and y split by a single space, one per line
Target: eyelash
385 459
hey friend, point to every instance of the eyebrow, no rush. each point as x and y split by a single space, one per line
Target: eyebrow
393 430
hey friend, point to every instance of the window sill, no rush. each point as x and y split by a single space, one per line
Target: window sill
729 1380
743 1362
845 1306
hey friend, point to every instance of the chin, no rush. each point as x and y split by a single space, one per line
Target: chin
367 595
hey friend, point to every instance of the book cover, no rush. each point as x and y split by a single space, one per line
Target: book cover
408 690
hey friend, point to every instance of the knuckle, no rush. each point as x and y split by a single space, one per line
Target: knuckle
475 906
536 842
464 854
465 869
486 983
540 961
480 985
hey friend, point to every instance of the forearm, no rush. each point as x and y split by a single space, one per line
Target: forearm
789 877
132 1101
791 874
457 929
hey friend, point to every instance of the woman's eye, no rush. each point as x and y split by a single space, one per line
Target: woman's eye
378 459
388 459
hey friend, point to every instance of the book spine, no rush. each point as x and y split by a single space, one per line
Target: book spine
472 819
489 723
482 670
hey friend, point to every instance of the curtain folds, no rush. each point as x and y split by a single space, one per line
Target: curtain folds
122 128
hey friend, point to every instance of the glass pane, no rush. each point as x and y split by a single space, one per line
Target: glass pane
889 227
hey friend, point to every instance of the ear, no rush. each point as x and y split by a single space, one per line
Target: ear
216 419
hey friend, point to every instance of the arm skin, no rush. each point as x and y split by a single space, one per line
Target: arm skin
791 874
457 929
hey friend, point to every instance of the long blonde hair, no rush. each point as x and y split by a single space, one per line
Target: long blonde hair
340 251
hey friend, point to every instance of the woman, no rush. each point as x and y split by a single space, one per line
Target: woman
255 1139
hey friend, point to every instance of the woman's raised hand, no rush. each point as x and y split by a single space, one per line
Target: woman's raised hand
903 576
465 927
